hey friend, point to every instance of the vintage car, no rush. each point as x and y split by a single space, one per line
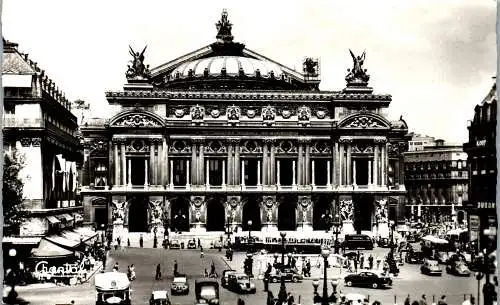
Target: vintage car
240 283
367 279
384 243
225 277
174 244
191 244
431 267
414 257
112 288
458 268
289 274
159 297
206 291
180 285
442 257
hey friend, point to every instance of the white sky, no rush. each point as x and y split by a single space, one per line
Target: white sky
436 58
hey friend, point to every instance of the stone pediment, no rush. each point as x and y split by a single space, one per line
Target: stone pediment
137 119
364 120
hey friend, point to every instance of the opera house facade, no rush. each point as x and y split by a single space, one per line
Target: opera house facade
224 138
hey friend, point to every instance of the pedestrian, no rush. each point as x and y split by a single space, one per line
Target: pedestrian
119 240
290 299
370 262
442 301
378 262
115 245
407 300
116 267
266 282
240 302
199 243
202 255
128 242
141 241
355 265
308 267
362 261
423 301
175 268
158 272
206 272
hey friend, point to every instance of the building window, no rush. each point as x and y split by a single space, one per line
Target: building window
251 172
215 171
180 172
286 171
320 171
459 164
100 174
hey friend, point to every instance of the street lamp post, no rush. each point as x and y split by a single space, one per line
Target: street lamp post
325 253
392 234
282 293
336 227
484 271
12 296
249 223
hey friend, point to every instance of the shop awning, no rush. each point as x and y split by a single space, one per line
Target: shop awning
65 217
21 240
53 219
87 233
63 242
47 249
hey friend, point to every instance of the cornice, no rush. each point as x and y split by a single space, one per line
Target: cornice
247 95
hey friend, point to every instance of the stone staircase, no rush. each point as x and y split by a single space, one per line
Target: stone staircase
206 238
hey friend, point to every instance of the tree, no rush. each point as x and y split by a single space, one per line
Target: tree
12 191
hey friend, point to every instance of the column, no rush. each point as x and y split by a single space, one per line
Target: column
349 164
160 163
201 163
375 163
272 172
188 171
265 165
383 165
369 172
117 163
152 167
341 164
278 170
258 173
207 174
146 172
242 172
124 164
328 175
312 173
193 164
354 172
335 158
171 172
308 160
301 164
396 172
165 173
223 172
236 173
230 164
293 173
129 172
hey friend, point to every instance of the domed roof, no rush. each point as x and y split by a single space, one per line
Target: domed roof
227 66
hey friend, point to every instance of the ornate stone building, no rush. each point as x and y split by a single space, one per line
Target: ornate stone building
224 135
481 152
436 179
39 125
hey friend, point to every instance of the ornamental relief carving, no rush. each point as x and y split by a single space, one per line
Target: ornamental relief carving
269 114
179 147
215 147
362 148
137 145
320 147
304 113
346 210
251 147
197 113
286 146
156 209
233 113
381 211
137 120
118 213
364 122
35 142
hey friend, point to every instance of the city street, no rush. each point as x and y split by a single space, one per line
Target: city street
408 282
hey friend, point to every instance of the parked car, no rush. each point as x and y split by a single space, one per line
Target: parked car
180 285
369 279
206 291
431 267
384 243
414 257
191 244
174 244
225 277
442 257
240 283
458 268
290 275
159 297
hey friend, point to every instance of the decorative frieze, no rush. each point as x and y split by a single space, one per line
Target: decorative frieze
362 148
233 114
180 147
303 114
215 147
27 142
197 113
251 147
321 147
286 146
268 115
137 145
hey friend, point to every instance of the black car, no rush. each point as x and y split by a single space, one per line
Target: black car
174 244
414 257
191 244
290 275
458 268
180 285
240 283
384 243
367 279
224 280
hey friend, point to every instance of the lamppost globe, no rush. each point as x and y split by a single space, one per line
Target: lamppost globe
12 252
325 253
249 223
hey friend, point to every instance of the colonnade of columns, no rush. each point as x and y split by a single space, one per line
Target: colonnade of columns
159 168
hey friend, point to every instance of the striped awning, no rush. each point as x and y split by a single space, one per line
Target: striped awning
62 241
53 219
65 217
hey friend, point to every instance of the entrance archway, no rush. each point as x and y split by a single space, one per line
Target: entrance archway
322 213
215 215
251 211
363 213
179 213
286 213
138 214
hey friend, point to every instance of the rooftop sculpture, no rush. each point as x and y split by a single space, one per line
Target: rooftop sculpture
357 76
137 69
